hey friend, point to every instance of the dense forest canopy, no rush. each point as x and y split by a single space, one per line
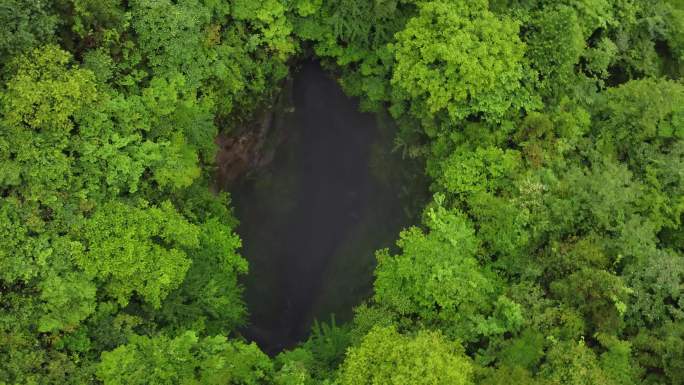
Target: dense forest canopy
552 133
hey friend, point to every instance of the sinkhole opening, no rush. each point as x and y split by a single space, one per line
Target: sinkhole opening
326 191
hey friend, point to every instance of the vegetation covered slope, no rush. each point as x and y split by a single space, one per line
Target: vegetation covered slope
552 132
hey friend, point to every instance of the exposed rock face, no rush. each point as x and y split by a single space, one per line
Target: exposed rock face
240 153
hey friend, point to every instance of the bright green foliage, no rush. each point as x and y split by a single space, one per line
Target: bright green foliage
42 101
137 250
185 359
268 18
96 142
483 170
68 301
92 181
438 278
387 357
458 59
43 79
437 273
53 305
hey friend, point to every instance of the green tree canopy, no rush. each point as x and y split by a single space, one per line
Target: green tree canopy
456 60
387 357
438 278
185 359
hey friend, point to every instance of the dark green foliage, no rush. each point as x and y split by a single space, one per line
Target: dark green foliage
314 360
353 37
25 25
328 343
556 43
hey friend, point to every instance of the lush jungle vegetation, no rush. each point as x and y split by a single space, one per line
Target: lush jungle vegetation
552 133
